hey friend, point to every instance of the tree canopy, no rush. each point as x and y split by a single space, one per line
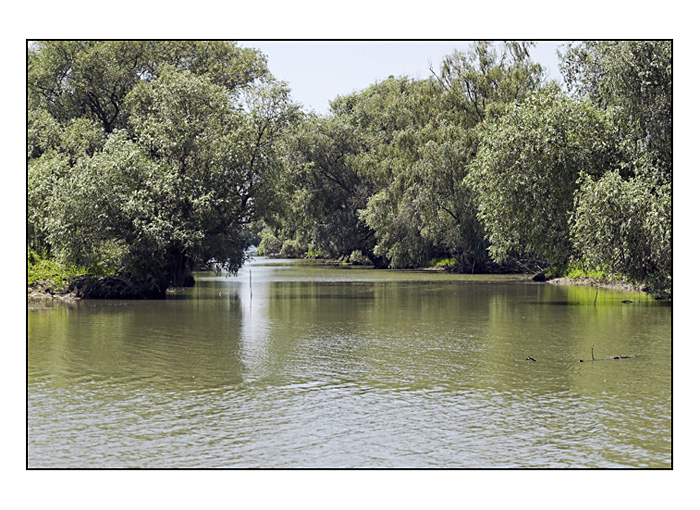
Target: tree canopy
528 169
152 158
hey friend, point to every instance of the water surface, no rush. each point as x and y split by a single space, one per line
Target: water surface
291 365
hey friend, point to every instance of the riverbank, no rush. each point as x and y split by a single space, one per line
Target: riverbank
575 273
51 289
112 287
90 287
606 284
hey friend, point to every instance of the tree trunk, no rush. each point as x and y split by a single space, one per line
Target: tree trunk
179 271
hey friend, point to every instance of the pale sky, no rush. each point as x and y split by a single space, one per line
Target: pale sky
319 71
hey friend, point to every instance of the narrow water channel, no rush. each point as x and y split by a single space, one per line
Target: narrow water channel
293 365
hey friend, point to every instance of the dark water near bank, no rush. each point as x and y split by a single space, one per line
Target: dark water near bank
326 367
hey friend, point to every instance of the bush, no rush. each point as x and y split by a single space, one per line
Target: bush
443 262
269 243
40 267
358 258
292 249
578 269
625 225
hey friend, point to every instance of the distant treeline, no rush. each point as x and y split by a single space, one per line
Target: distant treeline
149 159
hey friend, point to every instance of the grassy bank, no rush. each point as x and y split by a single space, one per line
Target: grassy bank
48 278
576 270
576 274
43 268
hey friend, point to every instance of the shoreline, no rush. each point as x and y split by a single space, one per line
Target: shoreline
602 283
89 286
42 290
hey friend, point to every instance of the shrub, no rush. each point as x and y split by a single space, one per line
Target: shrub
358 258
270 244
625 225
292 249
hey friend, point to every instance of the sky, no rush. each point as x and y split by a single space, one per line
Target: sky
319 71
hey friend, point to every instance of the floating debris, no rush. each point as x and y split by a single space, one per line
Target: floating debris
621 356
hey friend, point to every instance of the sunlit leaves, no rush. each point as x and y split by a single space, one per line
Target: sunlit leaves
636 78
92 78
625 225
483 80
528 169
150 156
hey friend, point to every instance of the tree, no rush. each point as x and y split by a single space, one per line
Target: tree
52 150
447 203
427 208
91 79
384 174
326 188
481 82
528 169
175 178
634 80
104 213
623 221
624 226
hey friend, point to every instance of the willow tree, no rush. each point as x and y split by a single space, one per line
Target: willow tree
529 167
622 221
427 208
634 80
624 227
92 79
183 166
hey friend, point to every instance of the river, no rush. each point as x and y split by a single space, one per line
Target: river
290 365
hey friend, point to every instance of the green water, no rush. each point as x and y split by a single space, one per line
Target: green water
289 365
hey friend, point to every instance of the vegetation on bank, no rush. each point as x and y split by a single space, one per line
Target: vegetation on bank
578 270
150 159
489 164
42 269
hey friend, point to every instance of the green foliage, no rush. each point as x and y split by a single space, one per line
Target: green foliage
292 249
528 169
326 187
43 175
398 238
625 225
577 269
91 79
623 220
481 82
269 244
427 207
443 262
89 208
150 157
358 258
446 202
633 79
44 133
42 268
314 254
